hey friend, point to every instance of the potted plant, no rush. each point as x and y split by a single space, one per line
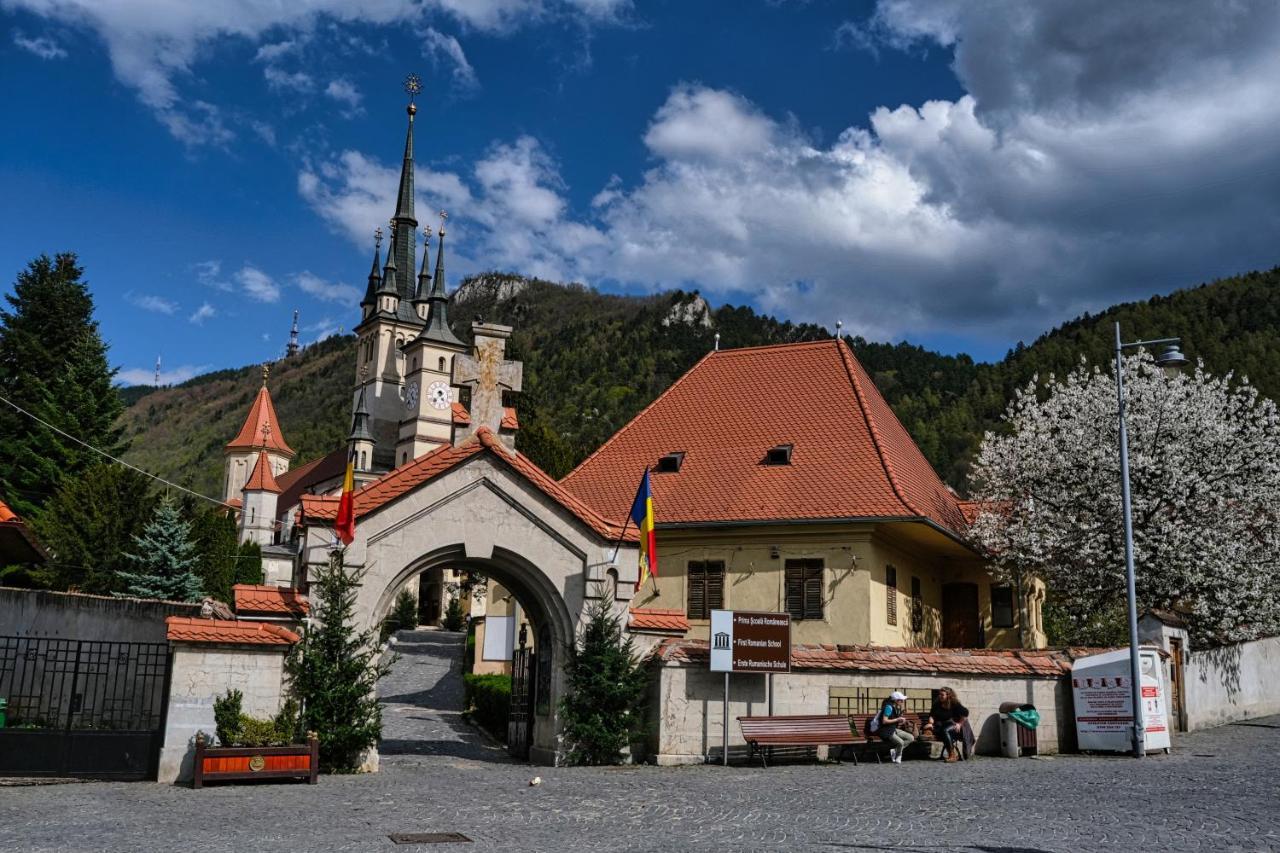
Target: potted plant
253 748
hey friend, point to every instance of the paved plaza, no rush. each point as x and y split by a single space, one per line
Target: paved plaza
1219 790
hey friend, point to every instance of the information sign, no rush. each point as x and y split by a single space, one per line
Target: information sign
750 641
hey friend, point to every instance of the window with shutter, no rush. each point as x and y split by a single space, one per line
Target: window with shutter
706 588
917 606
804 588
891 594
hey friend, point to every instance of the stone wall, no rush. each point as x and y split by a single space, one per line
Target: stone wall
201 674
1232 683
689 724
73 616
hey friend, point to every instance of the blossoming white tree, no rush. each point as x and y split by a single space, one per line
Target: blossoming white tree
1205 474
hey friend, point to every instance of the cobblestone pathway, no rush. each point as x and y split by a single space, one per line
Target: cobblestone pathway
1219 791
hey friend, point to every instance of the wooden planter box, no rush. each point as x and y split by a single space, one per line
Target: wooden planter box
218 764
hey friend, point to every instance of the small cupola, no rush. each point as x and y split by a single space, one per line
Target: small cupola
779 454
669 463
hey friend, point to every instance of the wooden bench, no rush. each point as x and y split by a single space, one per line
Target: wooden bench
810 730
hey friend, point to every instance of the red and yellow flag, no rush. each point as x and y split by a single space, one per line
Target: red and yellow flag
345 525
642 515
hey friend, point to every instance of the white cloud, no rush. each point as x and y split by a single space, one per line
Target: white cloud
172 376
154 45
209 274
149 302
204 312
697 122
439 47
280 80
42 46
325 328
345 92
327 291
257 284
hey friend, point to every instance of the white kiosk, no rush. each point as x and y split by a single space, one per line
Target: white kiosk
1100 685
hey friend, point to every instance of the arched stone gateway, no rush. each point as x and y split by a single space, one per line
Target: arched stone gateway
482 506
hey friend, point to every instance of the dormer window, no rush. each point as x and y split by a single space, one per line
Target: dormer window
670 463
779 454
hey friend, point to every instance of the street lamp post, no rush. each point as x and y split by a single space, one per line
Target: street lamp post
1171 357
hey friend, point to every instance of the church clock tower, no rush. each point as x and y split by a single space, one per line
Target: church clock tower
389 318
429 395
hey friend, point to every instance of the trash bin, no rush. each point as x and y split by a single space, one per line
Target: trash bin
1017 729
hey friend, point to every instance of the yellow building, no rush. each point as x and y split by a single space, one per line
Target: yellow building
783 481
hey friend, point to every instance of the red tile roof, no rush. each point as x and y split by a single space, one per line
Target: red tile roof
461 417
298 481
17 543
7 514
1013 662
185 629
261 413
261 599
411 475
652 619
852 458
261 479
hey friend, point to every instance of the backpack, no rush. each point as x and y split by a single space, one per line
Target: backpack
873 723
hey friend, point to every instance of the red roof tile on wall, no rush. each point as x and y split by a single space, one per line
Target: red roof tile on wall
851 458
274 600
996 662
411 475
262 412
655 619
184 629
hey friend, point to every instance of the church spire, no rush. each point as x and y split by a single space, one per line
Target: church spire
424 277
360 420
437 329
375 277
405 225
389 286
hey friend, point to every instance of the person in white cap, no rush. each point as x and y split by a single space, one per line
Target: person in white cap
891 722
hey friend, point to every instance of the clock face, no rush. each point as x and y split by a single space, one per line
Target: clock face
438 395
411 397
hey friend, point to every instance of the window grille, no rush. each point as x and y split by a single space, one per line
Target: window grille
917 606
891 594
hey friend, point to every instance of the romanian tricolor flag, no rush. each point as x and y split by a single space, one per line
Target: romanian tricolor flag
642 515
345 526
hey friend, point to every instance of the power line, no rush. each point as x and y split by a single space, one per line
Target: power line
118 461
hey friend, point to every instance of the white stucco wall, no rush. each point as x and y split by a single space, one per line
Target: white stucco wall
201 674
1233 683
689 724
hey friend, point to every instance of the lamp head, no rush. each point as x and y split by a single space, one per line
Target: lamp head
1172 358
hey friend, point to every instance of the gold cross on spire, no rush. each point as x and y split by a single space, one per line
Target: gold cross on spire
443 217
266 371
377 237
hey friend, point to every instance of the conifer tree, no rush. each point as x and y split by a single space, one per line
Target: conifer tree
334 671
90 524
249 563
217 550
53 363
164 557
606 686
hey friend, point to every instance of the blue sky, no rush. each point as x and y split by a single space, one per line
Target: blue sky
960 175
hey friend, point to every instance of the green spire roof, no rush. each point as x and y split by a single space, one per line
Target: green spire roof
437 329
360 421
375 279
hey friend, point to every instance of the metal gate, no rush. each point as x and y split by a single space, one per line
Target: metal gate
83 708
520 718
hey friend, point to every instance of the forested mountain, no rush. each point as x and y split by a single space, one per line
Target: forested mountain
592 360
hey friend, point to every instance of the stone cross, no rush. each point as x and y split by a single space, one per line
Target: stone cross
487 373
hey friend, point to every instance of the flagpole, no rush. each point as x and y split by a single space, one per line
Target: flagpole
618 545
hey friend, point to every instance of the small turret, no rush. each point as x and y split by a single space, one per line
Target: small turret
360 440
389 292
421 297
369 304
437 329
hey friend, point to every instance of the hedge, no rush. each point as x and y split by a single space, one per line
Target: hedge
489 699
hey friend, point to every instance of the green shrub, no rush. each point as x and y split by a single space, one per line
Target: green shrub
453 616
403 615
469 652
488 697
226 716
256 732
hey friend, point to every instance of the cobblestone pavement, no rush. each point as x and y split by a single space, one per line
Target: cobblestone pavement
1219 790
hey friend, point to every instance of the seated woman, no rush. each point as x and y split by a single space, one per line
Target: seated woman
947 718
893 725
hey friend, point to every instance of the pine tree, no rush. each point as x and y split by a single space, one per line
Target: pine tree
249 563
606 686
335 670
88 526
217 548
53 364
164 557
